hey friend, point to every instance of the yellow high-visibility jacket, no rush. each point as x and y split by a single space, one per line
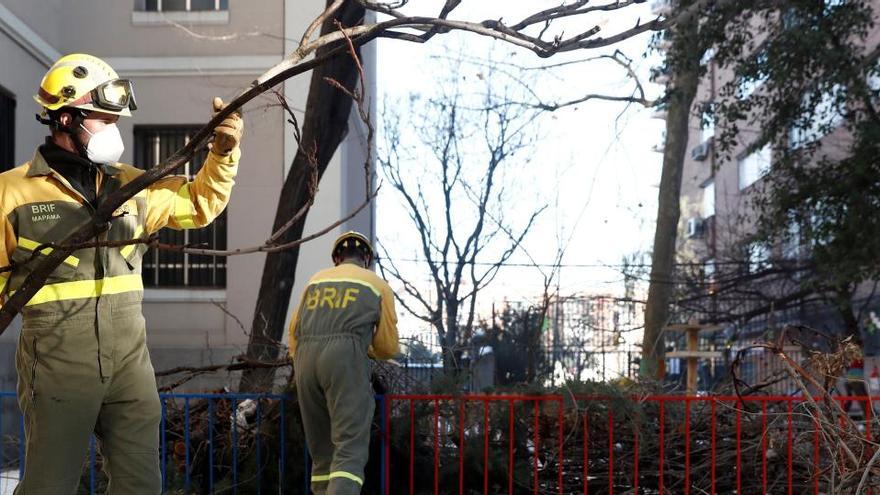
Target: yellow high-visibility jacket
347 300
39 206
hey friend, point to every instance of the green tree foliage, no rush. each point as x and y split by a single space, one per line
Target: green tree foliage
516 341
804 83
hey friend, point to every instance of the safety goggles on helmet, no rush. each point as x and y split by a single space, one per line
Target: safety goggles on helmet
114 95
86 83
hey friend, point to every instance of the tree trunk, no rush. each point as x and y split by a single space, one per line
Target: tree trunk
323 128
450 340
451 354
844 303
685 78
533 327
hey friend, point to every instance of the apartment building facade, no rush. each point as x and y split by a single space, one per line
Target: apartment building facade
716 207
181 53
590 336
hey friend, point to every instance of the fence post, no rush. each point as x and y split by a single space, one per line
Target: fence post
259 428
163 460
282 447
21 451
383 482
234 420
92 464
210 445
186 462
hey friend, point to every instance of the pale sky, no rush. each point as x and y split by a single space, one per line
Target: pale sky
593 165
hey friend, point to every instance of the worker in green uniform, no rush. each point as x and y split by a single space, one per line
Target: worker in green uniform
346 315
82 360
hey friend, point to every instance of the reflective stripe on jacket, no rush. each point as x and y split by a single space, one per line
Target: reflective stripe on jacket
39 206
347 300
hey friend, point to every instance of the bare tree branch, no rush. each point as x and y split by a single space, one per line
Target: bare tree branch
337 43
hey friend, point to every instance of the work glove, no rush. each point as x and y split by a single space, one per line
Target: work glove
227 134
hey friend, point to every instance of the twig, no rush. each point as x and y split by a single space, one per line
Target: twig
242 362
222 307
293 65
867 472
267 248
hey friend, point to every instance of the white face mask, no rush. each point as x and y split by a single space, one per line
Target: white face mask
105 146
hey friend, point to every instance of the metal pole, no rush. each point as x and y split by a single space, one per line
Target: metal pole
692 346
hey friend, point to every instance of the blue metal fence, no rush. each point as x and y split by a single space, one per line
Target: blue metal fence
238 419
230 413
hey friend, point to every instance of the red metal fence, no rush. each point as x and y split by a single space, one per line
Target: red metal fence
590 445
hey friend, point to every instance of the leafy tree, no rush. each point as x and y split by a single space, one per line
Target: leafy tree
801 70
515 341
816 106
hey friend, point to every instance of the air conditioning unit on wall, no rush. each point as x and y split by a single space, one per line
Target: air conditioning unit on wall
701 151
695 227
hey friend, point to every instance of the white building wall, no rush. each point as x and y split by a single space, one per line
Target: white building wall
346 170
175 76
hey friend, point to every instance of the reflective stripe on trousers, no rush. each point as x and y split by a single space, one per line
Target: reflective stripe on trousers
336 474
87 289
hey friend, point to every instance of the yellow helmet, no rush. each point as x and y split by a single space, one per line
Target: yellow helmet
356 239
85 82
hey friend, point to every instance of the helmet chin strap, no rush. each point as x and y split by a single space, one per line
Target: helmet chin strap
80 147
77 118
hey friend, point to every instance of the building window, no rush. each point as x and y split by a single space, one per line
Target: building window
820 225
709 269
873 78
754 166
710 274
707 123
791 243
707 57
180 5
708 206
758 254
830 5
825 114
802 16
7 131
748 84
152 144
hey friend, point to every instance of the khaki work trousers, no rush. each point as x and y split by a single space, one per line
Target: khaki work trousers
74 379
336 403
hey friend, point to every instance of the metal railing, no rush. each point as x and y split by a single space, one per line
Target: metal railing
239 421
500 444
206 419
586 444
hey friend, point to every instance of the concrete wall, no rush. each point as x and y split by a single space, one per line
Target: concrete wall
176 73
108 29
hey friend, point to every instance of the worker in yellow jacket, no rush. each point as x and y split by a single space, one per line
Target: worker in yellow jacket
82 360
345 316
